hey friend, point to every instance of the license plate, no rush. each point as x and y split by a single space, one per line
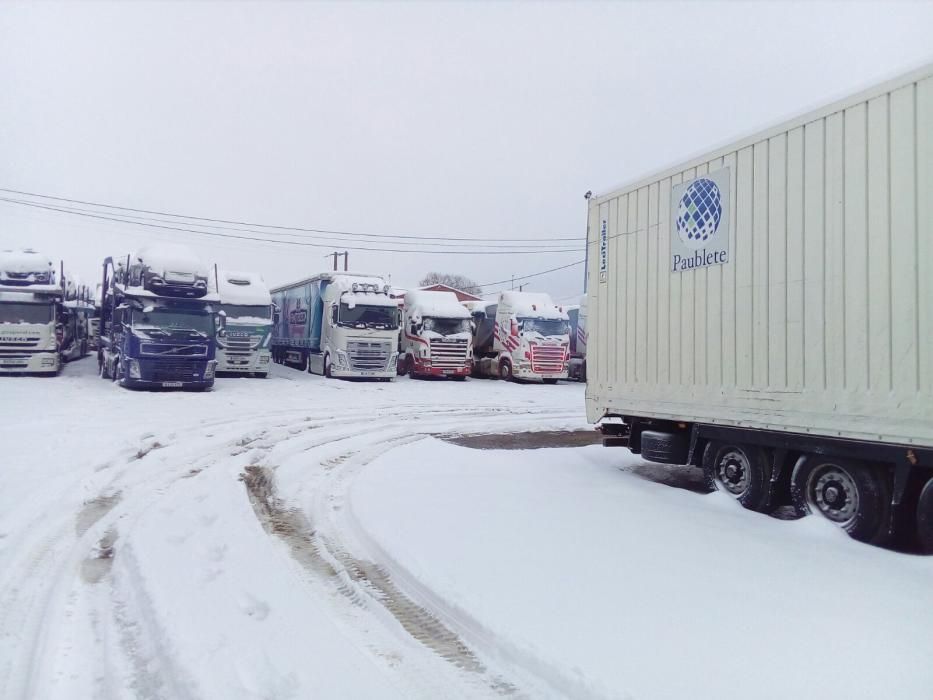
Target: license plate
172 385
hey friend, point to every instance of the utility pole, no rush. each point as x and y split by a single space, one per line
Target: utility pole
346 259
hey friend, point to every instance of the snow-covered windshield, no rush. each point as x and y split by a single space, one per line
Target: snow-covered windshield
545 327
163 319
25 313
235 311
447 326
362 316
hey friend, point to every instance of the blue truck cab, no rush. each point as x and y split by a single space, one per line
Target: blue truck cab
158 322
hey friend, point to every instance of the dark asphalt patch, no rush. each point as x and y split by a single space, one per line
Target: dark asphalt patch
525 441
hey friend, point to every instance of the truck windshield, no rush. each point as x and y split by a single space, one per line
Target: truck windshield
236 312
545 327
447 326
361 316
166 319
25 313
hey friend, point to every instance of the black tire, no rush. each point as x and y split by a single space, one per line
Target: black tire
505 371
549 380
583 372
410 367
741 471
850 494
402 366
459 378
925 518
327 368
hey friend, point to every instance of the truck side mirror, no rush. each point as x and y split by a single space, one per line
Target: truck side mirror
333 314
221 323
276 314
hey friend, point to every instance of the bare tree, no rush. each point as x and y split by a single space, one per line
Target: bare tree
461 282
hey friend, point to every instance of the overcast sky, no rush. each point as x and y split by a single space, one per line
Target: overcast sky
461 120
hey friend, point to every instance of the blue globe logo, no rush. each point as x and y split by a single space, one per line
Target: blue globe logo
699 213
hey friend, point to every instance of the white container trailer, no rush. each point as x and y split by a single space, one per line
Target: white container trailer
765 311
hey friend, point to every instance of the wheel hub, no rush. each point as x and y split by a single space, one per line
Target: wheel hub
834 494
733 472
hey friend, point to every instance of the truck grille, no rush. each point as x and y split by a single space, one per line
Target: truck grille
175 371
368 356
242 345
448 354
13 362
20 342
547 358
173 350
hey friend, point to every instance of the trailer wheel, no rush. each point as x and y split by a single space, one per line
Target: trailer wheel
925 518
850 494
505 371
741 471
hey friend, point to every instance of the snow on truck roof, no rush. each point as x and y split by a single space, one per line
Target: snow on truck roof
341 280
174 257
242 288
23 261
533 304
436 304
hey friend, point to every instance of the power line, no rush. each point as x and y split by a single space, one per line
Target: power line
536 274
86 214
131 218
281 228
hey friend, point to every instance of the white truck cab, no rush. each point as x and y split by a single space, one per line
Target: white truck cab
30 304
436 338
339 325
244 343
523 335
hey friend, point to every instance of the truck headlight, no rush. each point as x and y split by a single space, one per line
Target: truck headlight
133 369
209 370
342 360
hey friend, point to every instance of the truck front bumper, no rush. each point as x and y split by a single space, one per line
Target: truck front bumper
158 374
30 363
528 373
252 363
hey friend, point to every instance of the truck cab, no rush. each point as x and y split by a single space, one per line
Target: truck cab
436 337
523 336
339 325
157 330
243 343
30 310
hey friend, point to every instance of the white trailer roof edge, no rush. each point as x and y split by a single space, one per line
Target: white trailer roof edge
323 275
903 80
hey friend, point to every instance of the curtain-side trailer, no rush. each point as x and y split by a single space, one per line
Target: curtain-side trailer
765 312
338 325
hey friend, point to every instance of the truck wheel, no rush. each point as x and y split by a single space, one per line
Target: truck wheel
583 372
850 494
925 518
402 365
410 367
549 380
102 367
505 371
741 471
327 372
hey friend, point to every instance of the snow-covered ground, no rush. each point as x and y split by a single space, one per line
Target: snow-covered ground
296 537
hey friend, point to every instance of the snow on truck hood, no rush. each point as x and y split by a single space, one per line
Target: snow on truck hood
534 305
435 305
